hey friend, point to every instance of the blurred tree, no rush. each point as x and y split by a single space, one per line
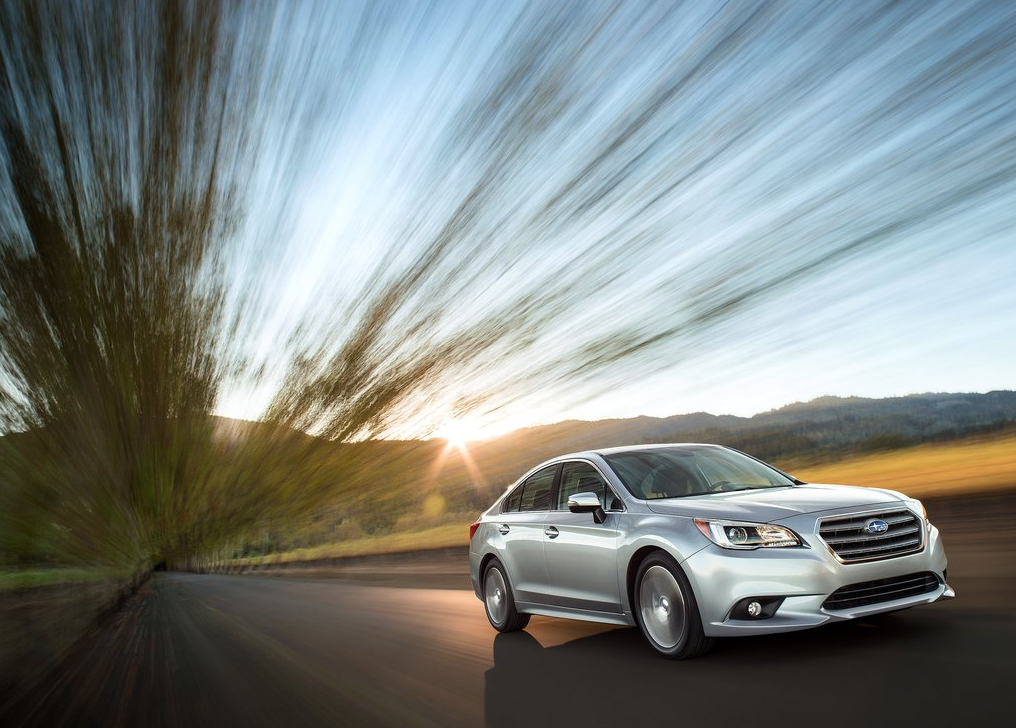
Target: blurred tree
124 140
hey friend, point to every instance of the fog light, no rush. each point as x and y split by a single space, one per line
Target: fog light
756 608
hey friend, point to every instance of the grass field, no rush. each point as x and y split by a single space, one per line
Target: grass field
17 580
924 471
449 534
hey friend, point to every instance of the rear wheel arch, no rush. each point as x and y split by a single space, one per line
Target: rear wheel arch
484 560
499 598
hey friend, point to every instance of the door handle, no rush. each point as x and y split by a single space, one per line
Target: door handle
551 531
504 529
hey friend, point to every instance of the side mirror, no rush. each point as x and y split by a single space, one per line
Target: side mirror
587 503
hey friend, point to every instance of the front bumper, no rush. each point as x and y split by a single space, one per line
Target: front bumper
804 578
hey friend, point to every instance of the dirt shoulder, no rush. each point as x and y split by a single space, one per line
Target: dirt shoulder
40 626
443 568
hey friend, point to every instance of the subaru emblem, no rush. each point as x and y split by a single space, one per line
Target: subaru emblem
876 525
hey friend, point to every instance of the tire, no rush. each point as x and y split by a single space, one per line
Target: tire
666 611
499 600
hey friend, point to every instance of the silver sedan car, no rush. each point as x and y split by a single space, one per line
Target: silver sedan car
692 542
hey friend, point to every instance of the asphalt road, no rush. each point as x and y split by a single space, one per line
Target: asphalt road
206 650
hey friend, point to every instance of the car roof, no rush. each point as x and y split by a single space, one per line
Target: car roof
636 448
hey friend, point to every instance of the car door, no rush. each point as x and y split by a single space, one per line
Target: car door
521 528
581 554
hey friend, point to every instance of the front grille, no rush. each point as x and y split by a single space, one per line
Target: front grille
881 590
848 539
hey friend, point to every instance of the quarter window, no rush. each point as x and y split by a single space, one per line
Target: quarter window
536 490
511 503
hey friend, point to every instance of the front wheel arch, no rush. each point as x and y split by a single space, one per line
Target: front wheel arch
633 569
694 642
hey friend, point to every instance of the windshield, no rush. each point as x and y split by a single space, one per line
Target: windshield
677 472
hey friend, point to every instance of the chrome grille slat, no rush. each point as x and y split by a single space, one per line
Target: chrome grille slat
877 549
881 590
859 522
873 537
846 538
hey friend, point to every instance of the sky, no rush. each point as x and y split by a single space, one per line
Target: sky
768 202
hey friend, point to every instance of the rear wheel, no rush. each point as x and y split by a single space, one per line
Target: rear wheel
666 610
499 600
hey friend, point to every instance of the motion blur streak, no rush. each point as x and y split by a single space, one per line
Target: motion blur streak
359 220
481 187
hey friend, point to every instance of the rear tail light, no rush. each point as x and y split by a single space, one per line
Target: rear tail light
472 530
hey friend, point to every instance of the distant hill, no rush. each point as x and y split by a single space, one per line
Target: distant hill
827 425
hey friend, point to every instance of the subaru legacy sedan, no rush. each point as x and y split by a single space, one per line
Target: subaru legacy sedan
693 542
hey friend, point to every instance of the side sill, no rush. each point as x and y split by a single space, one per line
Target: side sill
583 615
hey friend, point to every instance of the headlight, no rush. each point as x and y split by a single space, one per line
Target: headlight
737 535
918 506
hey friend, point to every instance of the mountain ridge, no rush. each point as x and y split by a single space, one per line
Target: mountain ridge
915 417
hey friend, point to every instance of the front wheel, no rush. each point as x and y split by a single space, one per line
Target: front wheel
666 611
499 601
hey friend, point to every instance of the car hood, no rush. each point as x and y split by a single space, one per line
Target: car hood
773 504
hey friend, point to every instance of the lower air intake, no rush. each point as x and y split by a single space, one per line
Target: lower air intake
881 590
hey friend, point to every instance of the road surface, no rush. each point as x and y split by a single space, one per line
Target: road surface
208 650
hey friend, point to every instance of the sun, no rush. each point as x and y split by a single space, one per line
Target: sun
456 432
